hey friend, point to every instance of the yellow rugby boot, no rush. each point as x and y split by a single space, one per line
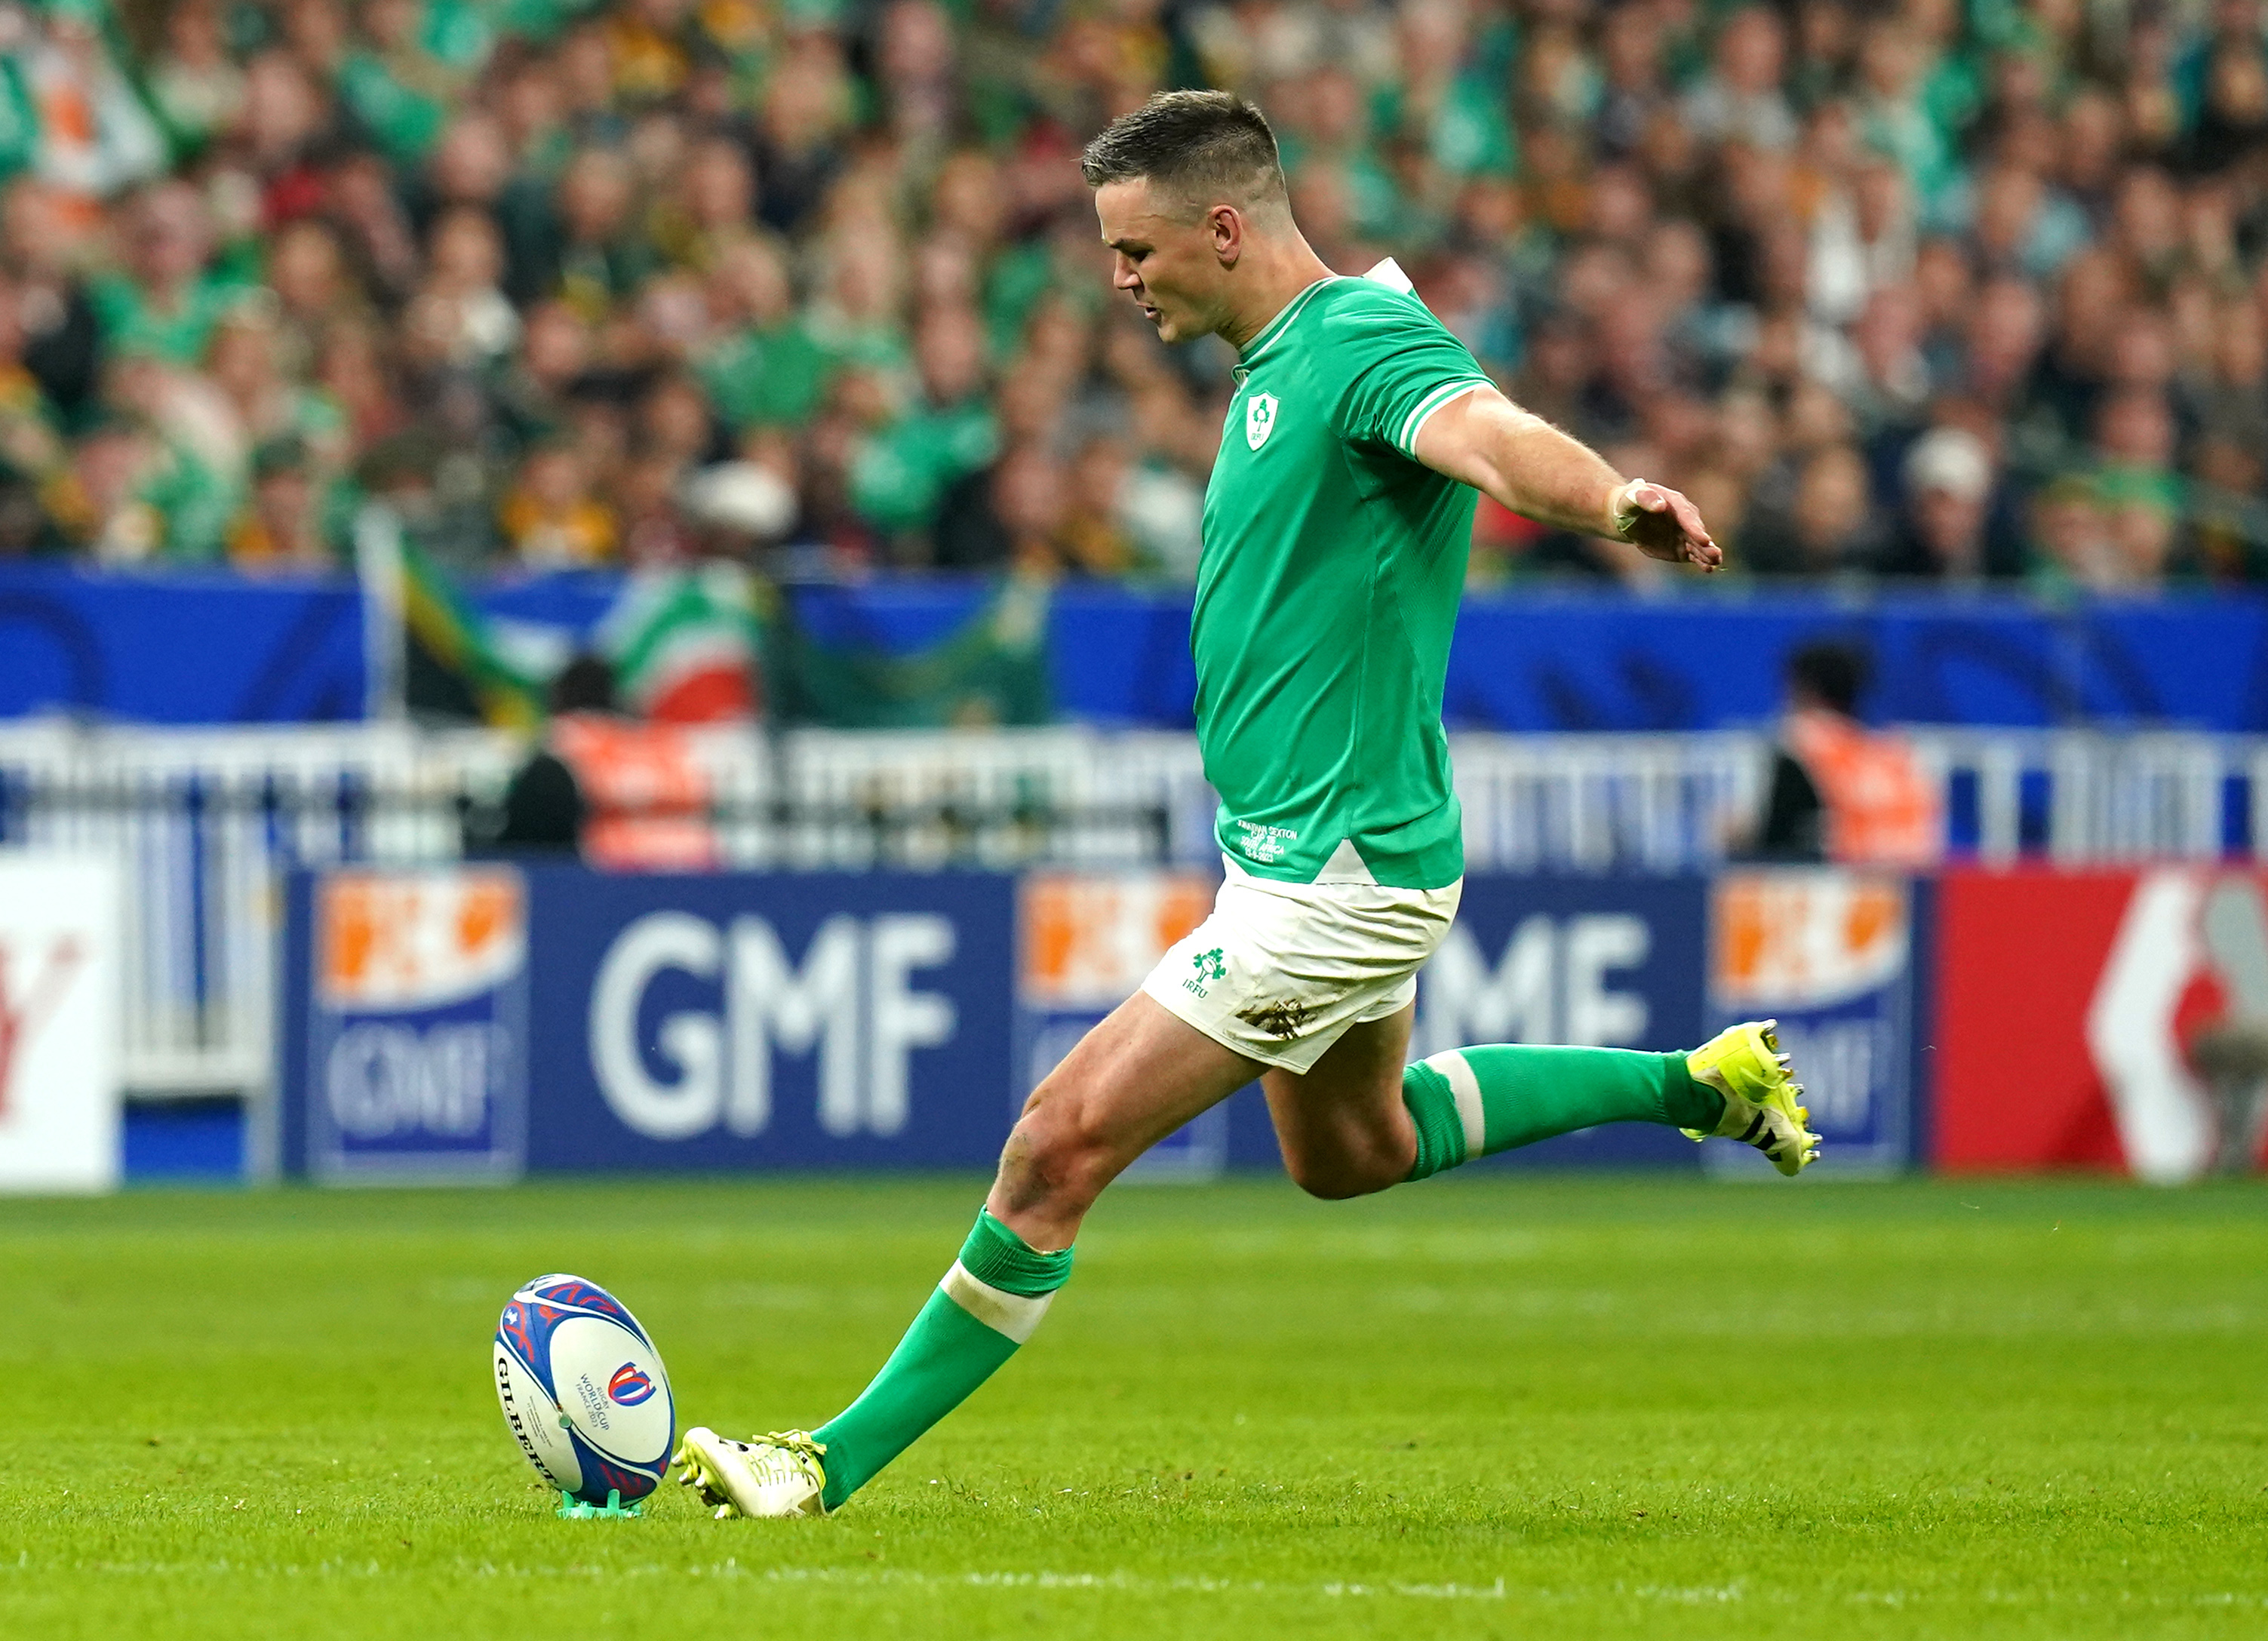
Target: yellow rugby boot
1743 1062
778 1475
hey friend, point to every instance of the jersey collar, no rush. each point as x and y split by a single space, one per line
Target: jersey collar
1275 328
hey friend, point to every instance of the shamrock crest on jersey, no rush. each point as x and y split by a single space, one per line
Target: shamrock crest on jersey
1259 419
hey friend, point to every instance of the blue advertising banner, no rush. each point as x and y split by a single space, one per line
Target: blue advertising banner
180 646
475 1021
725 1021
739 1020
406 1047
1830 954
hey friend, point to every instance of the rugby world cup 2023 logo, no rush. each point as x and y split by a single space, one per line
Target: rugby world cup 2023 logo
630 1384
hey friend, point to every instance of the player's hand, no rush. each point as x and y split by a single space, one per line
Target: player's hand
1662 524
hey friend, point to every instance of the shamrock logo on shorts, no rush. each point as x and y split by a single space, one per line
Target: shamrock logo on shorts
1211 965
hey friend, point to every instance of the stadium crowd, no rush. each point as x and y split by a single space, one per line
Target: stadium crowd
1891 287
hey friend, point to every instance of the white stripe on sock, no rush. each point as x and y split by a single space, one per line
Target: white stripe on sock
1003 1312
1467 1088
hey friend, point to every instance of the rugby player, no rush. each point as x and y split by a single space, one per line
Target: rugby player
1337 526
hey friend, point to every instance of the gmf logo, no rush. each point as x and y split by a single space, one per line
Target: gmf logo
630 1384
20 1016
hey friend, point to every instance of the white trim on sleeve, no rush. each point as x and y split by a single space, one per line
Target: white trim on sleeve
1448 392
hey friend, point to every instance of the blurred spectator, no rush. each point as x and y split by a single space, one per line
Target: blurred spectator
544 811
1829 525
1949 486
1927 289
550 518
1740 99
281 527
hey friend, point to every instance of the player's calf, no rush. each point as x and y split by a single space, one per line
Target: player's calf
1132 1080
1473 1102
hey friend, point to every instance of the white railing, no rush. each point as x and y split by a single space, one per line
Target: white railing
1605 803
2089 796
205 821
999 799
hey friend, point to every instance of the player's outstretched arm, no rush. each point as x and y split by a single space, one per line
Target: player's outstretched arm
1522 460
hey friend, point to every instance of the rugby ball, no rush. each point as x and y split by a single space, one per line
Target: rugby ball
583 1391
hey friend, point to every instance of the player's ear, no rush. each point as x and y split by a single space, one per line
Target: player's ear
1224 224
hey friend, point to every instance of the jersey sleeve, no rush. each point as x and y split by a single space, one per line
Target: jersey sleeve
1402 365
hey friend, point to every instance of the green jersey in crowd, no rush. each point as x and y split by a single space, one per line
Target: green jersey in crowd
1327 593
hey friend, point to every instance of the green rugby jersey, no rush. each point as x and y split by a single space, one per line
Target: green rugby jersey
1327 592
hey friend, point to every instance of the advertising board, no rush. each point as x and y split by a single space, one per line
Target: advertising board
485 1019
60 986
850 1020
415 1041
1831 955
645 1021
2101 1020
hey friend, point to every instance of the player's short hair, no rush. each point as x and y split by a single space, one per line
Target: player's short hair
1202 146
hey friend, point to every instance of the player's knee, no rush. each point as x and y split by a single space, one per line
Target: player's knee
1336 1178
1054 1157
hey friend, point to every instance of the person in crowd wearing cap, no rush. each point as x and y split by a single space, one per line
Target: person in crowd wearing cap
1943 534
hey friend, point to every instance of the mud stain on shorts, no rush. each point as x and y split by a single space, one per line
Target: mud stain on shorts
1284 1021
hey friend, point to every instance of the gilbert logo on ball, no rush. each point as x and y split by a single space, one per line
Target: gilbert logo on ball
583 1391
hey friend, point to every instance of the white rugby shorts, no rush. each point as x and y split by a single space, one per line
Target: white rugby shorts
1280 970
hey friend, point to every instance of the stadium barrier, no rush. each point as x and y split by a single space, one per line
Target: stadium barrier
199 827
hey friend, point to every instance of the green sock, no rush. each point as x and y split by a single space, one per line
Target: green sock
1471 1102
987 1305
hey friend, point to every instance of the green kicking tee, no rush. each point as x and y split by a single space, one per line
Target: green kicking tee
1327 593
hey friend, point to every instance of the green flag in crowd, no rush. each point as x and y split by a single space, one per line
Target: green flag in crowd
717 643
452 666
992 671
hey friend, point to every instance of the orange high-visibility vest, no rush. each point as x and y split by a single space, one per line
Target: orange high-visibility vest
1881 810
648 798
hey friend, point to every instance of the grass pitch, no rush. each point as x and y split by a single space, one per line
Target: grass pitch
1508 1406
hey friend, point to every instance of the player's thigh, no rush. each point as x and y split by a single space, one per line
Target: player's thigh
1132 1080
1343 1119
